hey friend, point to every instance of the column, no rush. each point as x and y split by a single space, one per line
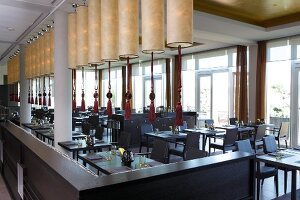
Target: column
252 81
25 107
62 81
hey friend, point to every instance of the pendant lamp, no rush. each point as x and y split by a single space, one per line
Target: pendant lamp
179 34
128 40
94 43
153 39
72 53
49 94
82 44
109 40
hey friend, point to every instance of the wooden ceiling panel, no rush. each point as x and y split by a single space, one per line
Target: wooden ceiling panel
264 13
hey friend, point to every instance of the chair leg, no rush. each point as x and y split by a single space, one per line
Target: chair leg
262 181
208 150
258 187
286 146
276 186
140 148
285 180
278 143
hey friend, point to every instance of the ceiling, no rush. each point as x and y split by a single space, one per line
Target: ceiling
217 23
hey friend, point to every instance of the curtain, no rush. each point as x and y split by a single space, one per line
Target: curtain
175 82
261 80
241 88
123 86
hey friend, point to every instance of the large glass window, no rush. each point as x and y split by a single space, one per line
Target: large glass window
207 82
88 85
278 81
141 84
116 86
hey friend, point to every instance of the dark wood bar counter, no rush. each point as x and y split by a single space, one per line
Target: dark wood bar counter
50 174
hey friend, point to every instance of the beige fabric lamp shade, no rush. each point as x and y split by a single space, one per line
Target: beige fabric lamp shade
109 30
72 47
179 23
38 54
47 53
82 36
153 34
94 32
17 78
52 51
128 28
42 55
33 60
26 61
29 47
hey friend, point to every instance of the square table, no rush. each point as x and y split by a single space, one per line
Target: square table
290 160
108 164
48 134
75 146
206 133
168 136
241 129
33 126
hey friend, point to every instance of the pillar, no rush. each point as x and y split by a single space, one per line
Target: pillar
62 81
25 107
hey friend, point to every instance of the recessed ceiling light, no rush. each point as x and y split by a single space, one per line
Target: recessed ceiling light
10 29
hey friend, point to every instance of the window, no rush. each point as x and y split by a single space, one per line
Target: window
141 84
116 86
207 82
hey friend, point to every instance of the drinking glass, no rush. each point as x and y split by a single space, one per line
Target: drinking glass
142 161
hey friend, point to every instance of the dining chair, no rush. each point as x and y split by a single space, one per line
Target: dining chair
191 141
270 146
160 151
145 128
193 153
86 128
232 121
282 133
208 122
94 121
124 140
227 143
265 171
256 140
99 132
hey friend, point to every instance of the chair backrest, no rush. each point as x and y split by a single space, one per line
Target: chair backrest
232 121
73 124
284 129
160 151
260 132
94 120
244 145
124 140
183 127
230 137
269 144
146 128
192 141
99 132
86 127
193 153
208 122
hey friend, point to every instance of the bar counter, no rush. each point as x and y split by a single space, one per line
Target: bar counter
50 174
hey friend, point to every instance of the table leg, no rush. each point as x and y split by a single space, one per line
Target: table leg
147 142
257 180
294 185
73 154
203 142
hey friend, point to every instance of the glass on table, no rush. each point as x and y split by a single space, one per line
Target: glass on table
156 131
142 161
113 149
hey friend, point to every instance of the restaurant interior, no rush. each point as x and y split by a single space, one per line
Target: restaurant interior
160 99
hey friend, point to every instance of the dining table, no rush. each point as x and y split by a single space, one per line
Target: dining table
169 136
111 163
75 146
242 130
206 133
288 158
48 134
